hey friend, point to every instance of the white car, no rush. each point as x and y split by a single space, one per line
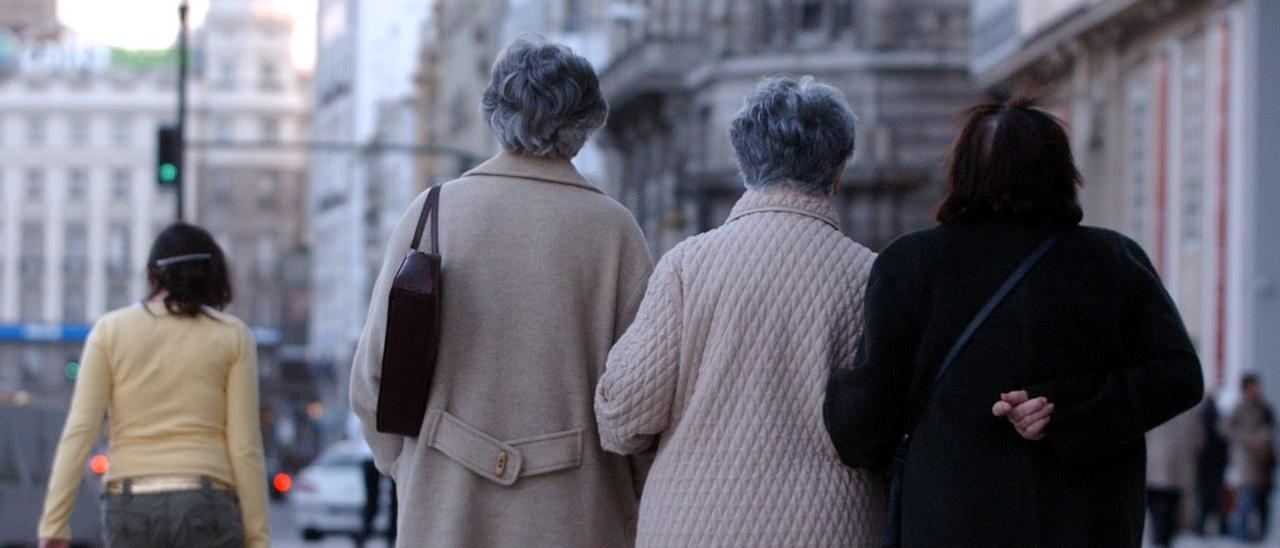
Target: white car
328 497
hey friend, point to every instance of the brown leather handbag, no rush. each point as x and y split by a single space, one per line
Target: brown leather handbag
413 331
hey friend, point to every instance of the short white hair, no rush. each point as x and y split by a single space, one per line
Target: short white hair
543 99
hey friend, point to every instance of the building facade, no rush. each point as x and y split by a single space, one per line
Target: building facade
79 202
19 15
1164 102
678 72
363 167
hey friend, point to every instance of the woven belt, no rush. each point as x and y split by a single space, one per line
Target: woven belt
145 485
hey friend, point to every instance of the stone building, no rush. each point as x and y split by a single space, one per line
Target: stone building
79 202
1164 102
678 71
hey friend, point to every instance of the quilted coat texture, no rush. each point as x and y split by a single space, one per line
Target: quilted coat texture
725 367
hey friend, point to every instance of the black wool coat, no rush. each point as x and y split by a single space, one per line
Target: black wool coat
1090 327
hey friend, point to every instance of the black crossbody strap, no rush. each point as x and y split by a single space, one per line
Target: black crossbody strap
992 303
429 210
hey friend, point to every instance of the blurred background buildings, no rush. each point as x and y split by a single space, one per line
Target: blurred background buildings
1168 104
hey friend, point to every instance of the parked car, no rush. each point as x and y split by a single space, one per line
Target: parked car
28 439
328 497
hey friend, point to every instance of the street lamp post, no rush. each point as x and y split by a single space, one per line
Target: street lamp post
182 107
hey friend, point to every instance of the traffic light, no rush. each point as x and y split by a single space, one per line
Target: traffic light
168 155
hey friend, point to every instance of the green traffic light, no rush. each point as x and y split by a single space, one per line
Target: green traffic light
72 370
168 173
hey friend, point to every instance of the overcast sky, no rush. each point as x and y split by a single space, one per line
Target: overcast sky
152 24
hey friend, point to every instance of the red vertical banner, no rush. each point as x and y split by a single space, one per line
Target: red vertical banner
1162 160
1223 168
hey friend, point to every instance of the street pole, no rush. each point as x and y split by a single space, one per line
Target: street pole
182 107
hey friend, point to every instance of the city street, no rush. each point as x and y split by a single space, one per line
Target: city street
284 534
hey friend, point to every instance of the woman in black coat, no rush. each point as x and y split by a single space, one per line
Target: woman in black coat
1034 436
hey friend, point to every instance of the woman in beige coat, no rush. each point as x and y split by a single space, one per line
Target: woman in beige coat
726 364
541 274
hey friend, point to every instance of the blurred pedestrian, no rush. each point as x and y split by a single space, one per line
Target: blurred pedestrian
1211 470
1249 431
725 364
1083 356
542 272
372 499
1171 472
178 380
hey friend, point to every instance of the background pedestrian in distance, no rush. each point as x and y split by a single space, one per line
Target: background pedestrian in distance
1171 475
541 273
1211 472
1251 433
1035 435
178 381
725 364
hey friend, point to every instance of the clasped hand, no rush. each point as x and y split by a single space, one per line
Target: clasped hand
1028 416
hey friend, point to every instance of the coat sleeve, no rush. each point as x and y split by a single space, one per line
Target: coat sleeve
366 368
865 406
635 394
1158 377
244 442
84 422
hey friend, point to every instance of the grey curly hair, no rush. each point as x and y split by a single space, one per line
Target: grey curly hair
794 132
543 99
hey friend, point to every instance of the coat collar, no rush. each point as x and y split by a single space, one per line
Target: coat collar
786 200
521 166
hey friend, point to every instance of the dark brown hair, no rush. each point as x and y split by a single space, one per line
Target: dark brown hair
198 281
1011 161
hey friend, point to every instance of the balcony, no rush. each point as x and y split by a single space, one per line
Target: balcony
655 64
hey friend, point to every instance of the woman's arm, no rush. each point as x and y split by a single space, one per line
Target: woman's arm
366 367
244 441
634 397
1158 377
865 404
84 422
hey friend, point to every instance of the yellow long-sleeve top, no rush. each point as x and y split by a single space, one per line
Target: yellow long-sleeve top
181 397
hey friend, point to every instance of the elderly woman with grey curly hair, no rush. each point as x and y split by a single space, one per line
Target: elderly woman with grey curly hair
541 273
725 365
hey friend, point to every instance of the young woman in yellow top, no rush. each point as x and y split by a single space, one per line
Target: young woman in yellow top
178 381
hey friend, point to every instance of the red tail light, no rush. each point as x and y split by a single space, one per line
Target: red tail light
99 464
282 482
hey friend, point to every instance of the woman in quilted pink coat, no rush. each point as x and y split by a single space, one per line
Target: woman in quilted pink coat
725 367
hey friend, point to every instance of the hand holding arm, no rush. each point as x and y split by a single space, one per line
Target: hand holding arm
634 396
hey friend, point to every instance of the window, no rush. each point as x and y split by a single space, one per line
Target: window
32 262
35 184
226 78
220 188
1138 155
73 268
121 184
269 190
118 249
74 249
37 130
572 15
77 184
269 76
1192 137
811 15
222 129
121 131
73 303
78 130
270 128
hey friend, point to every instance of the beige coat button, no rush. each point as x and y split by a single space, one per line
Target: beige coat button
501 467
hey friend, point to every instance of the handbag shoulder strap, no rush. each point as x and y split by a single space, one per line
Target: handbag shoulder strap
429 210
986 310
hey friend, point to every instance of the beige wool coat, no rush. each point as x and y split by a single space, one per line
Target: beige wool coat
726 367
541 274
